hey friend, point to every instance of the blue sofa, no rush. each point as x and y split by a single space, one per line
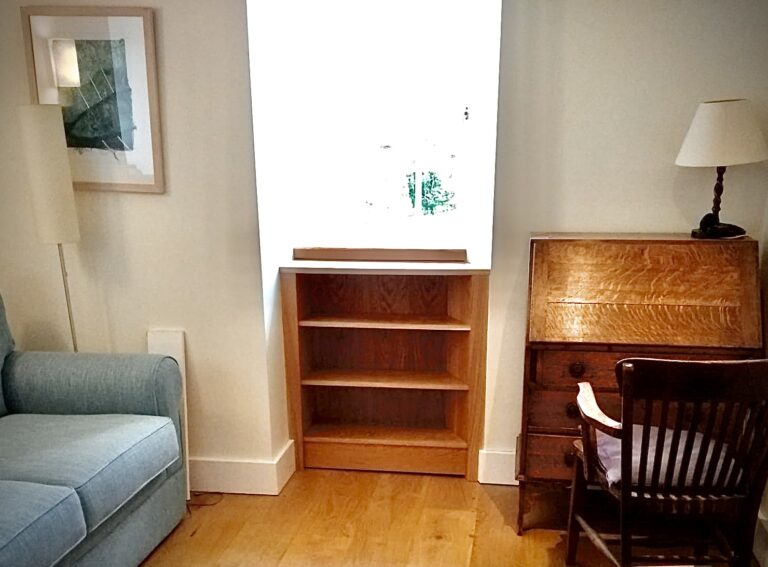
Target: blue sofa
91 470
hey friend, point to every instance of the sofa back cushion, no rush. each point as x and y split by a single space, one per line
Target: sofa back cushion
6 347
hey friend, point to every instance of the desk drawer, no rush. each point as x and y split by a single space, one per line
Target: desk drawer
565 369
558 410
549 457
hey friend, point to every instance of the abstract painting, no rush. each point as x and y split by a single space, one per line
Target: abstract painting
100 115
98 64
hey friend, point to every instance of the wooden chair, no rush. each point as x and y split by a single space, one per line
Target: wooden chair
697 456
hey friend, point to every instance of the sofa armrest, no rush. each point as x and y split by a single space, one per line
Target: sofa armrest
68 383
76 383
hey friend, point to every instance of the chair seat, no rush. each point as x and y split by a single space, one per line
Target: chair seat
40 523
106 459
609 453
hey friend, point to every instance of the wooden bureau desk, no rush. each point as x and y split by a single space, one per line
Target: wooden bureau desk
595 299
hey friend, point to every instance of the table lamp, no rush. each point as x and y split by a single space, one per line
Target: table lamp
50 184
722 133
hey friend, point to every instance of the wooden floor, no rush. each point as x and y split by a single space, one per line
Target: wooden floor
337 518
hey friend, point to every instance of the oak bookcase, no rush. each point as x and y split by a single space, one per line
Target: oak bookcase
385 369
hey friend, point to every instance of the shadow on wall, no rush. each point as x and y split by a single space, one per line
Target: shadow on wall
103 265
39 334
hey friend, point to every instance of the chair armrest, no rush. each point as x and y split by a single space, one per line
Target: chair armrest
67 383
592 414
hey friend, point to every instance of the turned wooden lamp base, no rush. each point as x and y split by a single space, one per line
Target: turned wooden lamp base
710 225
707 229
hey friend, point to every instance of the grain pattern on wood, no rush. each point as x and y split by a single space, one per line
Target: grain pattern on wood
590 272
662 292
389 350
680 325
558 409
364 321
444 537
326 517
381 254
293 361
375 349
379 407
404 379
396 458
384 435
564 369
544 505
338 295
550 457
472 405
597 298
461 297
466 358
326 536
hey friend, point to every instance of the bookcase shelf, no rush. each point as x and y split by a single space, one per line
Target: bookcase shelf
391 322
384 435
386 371
405 379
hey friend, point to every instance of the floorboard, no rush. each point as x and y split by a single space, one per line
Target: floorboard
338 518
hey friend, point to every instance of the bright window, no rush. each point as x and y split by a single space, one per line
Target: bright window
375 123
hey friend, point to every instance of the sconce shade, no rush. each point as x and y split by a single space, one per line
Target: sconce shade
723 133
50 178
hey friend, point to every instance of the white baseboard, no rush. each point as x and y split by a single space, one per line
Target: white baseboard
285 465
497 467
243 476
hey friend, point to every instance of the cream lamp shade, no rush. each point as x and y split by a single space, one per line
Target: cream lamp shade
50 178
723 133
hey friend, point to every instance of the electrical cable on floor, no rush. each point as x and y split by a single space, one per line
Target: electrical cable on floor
201 499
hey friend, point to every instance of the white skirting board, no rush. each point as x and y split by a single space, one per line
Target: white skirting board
497 467
244 476
170 342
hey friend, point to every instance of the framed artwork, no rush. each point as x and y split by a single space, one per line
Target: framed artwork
98 63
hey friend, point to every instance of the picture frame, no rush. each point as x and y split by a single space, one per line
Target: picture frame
99 64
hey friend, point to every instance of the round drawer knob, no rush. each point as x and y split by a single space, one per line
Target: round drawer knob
569 458
577 369
572 410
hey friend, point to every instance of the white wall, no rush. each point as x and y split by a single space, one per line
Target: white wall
595 98
187 259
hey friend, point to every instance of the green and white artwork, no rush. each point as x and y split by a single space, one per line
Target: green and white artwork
99 113
434 197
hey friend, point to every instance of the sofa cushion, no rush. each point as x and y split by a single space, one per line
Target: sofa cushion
6 347
105 458
39 524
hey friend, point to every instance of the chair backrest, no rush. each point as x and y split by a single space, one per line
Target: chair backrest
703 427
